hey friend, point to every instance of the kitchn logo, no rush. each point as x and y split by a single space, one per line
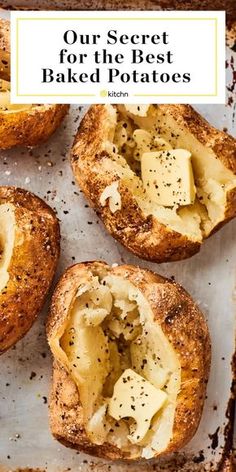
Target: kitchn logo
113 94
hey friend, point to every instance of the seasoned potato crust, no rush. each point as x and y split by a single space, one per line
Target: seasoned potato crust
4 49
183 326
22 125
30 126
29 251
142 227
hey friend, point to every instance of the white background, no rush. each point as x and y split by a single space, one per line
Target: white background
191 41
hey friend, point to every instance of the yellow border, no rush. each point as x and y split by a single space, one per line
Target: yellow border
108 19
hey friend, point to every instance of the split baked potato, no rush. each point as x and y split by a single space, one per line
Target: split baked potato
23 125
161 178
29 250
131 362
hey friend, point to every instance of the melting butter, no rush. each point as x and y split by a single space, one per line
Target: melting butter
168 177
135 397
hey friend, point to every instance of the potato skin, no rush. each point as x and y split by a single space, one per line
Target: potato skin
31 126
27 127
143 235
182 323
32 266
4 49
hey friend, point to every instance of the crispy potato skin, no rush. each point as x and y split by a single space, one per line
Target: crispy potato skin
140 234
4 49
27 127
32 266
220 142
182 323
31 126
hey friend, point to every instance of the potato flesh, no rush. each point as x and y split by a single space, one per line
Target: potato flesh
111 193
126 338
86 345
7 240
5 104
140 110
213 181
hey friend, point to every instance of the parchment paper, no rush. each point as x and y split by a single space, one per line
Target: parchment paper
25 439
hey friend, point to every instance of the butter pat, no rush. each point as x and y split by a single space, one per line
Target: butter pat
139 110
168 177
135 397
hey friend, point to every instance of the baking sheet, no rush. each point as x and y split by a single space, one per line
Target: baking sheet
227 5
25 440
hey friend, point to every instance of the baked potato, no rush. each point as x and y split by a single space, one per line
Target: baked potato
161 178
24 125
131 362
5 65
29 250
